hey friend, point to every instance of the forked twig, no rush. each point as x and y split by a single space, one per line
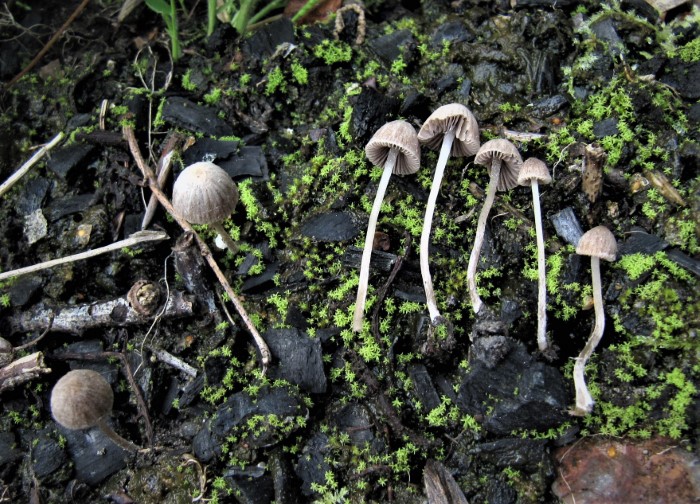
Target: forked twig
206 252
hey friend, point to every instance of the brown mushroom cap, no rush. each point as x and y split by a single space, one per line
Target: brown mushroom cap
534 169
598 242
204 193
395 135
80 399
511 162
453 115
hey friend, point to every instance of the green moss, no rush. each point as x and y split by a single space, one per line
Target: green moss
332 52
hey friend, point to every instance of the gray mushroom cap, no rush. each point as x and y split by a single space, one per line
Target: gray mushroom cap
534 169
395 135
511 162
453 115
598 242
80 399
204 193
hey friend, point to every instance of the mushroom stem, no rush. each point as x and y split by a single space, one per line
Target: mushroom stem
230 244
542 275
584 401
479 237
369 240
428 221
116 438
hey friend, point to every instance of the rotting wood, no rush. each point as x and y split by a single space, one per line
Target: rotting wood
22 370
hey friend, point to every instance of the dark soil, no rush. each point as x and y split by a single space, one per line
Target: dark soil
403 411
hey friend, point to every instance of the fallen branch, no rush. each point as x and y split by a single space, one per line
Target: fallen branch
135 239
206 252
22 171
22 370
77 319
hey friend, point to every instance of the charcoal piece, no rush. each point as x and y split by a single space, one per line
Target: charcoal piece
331 227
371 110
312 465
250 162
205 446
440 485
68 205
606 127
298 359
354 419
192 117
548 106
264 41
210 149
65 162
453 32
250 485
284 481
527 454
32 195
263 281
423 387
24 290
604 29
516 392
683 77
382 261
567 226
47 456
8 448
639 241
390 47
95 456
687 262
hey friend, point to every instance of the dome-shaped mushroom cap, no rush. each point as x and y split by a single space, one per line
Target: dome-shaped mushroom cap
80 398
534 169
395 135
511 162
598 242
204 193
453 115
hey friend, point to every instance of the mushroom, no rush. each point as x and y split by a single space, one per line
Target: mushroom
533 173
452 129
505 162
205 194
82 399
599 243
395 148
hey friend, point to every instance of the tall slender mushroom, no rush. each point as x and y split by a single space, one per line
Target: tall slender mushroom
533 173
205 194
82 399
599 243
504 162
395 148
452 129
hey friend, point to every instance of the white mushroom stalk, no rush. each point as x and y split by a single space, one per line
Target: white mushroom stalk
599 243
395 148
452 128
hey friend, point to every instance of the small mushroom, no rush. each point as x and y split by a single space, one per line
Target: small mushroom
452 129
504 162
82 399
599 243
395 148
205 194
533 173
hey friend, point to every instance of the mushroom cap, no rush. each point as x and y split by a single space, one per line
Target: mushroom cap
511 162
395 135
80 399
204 193
534 169
598 242
453 115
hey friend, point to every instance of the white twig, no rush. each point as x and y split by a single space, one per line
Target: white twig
28 165
134 239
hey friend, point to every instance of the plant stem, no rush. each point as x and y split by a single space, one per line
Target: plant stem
584 401
369 240
211 16
479 238
542 275
174 32
428 221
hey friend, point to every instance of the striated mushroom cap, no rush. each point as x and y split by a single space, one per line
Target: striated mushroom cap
204 193
511 162
598 242
80 399
395 135
453 115
534 169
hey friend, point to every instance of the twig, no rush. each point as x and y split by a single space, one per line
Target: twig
134 239
49 44
27 166
206 252
164 165
22 370
173 361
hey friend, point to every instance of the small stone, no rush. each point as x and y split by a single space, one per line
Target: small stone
35 226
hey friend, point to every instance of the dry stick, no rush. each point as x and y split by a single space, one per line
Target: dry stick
21 172
22 370
134 239
49 44
206 252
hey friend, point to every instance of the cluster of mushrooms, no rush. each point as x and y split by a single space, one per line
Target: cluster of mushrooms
453 129
205 194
